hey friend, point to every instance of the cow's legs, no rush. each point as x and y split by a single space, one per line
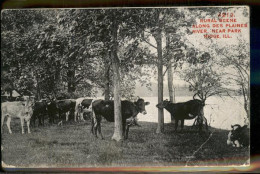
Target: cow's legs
127 130
182 124
60 118
75 115
206 122
81 117
195 122
33 120
95 124
92 125
42 117
67 116
8 124
99 130
2 121
28 125
39 118
200 122
50 120
176 124
124 131
22 124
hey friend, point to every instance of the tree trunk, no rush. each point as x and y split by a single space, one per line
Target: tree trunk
106 92
71 80
169 74
56 82
170 83
38 89
118 131
246 102
170 86
158 38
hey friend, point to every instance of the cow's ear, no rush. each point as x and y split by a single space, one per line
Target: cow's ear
232 126
147 103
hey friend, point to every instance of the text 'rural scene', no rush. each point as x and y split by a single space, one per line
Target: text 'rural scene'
125 87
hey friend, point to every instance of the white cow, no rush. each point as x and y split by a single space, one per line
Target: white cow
18 109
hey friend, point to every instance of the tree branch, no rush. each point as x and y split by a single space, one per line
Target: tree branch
149 43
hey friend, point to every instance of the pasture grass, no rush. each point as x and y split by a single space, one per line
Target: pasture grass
73 145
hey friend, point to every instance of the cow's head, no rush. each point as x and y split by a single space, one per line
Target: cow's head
29 102
29 106
140 104
163 104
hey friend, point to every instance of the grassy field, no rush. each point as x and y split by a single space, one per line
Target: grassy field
72 145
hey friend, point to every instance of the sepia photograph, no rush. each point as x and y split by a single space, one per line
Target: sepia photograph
125 87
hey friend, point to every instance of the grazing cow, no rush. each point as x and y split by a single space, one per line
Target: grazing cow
186 110
18 109
66 106
238 136
106 109
39 111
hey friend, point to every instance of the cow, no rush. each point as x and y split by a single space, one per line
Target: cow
39 111
82 106
104 108
17 109
186 110
66 106
51 110
86 107
238 136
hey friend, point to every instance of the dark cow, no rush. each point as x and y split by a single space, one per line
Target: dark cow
39 111
238 136
52 111
65 107
186 110
106 109
61 107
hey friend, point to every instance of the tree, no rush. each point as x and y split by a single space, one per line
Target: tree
238 60
174 57
18 43
204 79
153 22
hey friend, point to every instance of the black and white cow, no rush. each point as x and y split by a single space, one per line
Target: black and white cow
186 110
238 136
103 108
83 105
